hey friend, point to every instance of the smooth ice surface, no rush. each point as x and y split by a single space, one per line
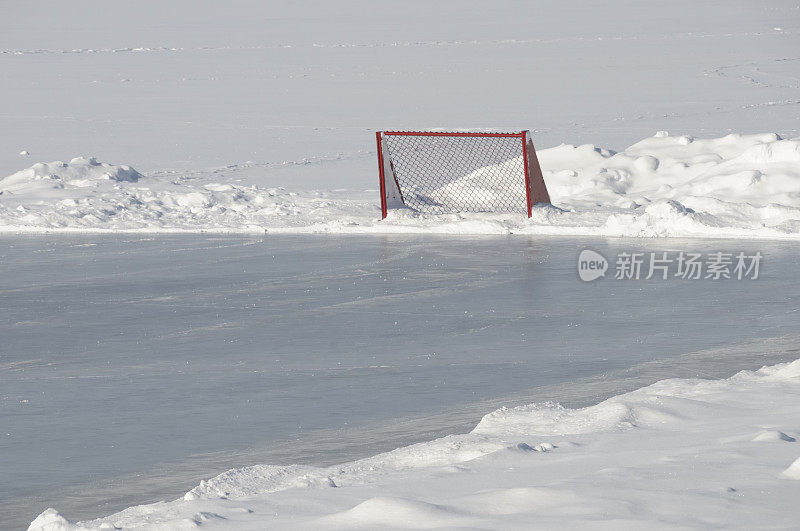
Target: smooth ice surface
123 352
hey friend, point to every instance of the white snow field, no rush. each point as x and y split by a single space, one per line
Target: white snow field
290 93
677 454
253 116
735 186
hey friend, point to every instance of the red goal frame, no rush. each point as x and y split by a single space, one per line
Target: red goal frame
391 194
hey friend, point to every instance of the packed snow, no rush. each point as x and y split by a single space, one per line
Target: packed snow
734 186
678 453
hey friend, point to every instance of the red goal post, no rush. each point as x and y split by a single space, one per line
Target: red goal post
448 172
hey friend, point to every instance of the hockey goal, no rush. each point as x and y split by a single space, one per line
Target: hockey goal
441 173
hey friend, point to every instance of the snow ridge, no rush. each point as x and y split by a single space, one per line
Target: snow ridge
734 186
675 453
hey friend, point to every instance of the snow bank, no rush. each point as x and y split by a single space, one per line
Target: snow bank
735 186
682 453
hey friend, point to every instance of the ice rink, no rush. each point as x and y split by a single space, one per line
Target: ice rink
146 364
136 362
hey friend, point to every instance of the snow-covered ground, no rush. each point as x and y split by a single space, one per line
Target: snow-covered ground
260 116
298 88
677 454
735 186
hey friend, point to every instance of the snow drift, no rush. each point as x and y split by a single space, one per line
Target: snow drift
735 186
681 453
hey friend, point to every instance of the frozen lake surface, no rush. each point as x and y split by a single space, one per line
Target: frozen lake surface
133 367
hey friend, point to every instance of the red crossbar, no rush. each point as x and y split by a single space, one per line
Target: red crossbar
441 133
